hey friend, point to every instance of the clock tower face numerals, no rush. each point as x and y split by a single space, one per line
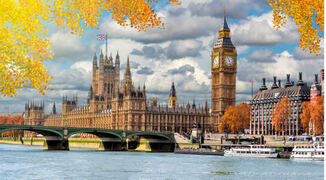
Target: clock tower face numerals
215 61
229 61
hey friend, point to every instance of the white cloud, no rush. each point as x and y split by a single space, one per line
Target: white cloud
259 31
69 47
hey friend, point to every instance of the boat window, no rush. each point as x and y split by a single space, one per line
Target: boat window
322 153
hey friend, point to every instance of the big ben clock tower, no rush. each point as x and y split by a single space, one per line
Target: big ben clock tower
224 69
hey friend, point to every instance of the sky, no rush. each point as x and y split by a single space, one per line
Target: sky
180 53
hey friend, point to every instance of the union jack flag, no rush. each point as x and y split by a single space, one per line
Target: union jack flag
101 37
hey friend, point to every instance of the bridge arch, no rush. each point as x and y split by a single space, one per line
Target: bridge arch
152 134
150 141
98 133
44 131
109 139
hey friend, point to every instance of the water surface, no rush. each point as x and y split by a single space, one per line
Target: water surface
31 162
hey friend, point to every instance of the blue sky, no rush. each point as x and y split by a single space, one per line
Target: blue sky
179 53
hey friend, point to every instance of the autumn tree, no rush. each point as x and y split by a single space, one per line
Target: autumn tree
305 116
235 119
307 14
12 120
312 115
317 115
23 42
281 113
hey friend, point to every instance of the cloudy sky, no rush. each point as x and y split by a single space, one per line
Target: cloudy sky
180 53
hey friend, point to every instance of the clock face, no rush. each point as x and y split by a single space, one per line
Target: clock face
229 61
215 62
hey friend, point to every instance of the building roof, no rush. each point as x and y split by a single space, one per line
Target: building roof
293 91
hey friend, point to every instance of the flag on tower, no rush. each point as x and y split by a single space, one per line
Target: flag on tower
250 80
101 37
6 108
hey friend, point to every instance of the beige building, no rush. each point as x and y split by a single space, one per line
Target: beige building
125 107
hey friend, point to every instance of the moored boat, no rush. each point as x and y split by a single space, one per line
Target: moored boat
308 152
261 151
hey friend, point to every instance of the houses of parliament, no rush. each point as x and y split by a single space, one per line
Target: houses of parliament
114 106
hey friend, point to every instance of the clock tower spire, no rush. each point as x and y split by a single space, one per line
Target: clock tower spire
224 69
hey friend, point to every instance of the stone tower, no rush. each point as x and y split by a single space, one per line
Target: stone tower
105 82
34 114
172 97
69 104
224 68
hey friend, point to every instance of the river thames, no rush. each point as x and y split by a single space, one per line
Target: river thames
31 162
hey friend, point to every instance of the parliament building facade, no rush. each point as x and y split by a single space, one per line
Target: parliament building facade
114 106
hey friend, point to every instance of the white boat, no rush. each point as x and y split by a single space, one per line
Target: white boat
261 151
308 152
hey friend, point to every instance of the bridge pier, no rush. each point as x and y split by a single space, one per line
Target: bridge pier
56 145
151 144
111 146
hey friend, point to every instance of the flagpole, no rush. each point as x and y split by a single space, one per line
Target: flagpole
252 89
106 44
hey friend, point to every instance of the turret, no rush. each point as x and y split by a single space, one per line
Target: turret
95 61
144 90
193 104
54 109
117 60
101 59
172 97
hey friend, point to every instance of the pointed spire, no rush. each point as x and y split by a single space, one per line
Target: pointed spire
101 57
224 26
193 104
172 90
54 110
95 59
117 59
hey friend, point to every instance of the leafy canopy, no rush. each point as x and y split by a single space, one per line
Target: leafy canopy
23 42
235 119
307 14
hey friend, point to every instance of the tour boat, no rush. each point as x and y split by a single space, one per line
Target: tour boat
308 152
261 151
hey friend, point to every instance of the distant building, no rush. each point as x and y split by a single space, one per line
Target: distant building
11 114
265 99
114 106
315 91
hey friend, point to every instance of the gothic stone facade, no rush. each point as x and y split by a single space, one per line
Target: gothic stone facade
113 107
124 107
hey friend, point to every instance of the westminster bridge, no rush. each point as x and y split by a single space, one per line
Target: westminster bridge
56 138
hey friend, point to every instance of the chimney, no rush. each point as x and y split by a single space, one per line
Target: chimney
263 87
279 83
316 79
288 83
322 75
300 82
274 86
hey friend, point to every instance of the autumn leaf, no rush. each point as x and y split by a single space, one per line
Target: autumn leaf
305 13
24 48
